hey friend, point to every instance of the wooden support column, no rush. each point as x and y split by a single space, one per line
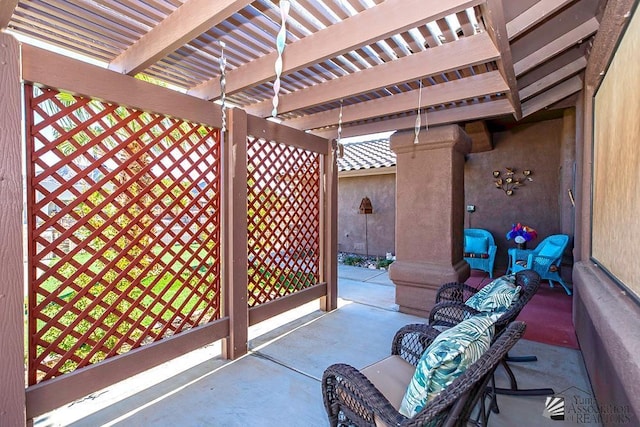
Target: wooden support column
567 172
429 215
567 185
329 258
12 396
235 235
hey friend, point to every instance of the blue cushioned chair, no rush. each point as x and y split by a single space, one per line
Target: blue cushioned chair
479 249
545 259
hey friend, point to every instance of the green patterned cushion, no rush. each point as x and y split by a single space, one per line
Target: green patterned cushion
497 296
446 359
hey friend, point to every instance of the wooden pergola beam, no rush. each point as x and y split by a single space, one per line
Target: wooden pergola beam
552 96
534 15
382 21
187 22
48 68
6 10
455 90
553 78
496 26
464 113
447 57
582 32
614 20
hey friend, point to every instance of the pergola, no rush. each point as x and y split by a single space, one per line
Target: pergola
193 87
474 59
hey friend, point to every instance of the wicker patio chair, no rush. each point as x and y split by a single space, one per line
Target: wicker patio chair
450 310
480 249
352 399
545 259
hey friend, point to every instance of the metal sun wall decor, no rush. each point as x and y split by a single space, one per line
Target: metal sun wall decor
508 181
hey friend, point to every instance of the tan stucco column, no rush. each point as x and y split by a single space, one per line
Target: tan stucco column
429 215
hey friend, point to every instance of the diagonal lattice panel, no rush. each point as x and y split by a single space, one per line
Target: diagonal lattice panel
124 223
283 219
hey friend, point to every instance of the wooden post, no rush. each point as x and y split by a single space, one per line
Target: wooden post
12 397
234 150
330 212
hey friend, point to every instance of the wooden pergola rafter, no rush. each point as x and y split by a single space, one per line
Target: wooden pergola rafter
371 55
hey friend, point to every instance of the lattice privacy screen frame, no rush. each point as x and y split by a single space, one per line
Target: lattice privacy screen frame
124 229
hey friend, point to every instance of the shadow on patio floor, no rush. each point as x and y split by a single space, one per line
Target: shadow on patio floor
278 382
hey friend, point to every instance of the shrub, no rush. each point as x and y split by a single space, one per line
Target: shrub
383 263
352 260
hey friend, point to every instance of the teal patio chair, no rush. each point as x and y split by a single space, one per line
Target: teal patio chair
479 249
545 259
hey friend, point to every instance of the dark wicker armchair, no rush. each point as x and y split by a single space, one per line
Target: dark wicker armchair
353 397
451 310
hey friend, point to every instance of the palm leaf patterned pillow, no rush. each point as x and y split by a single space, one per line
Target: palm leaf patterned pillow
497 296
446 359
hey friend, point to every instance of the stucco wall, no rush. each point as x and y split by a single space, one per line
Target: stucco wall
540 204
608 328
536 147
380 226
606 319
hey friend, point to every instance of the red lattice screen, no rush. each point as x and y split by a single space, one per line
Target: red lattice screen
283 218
124 223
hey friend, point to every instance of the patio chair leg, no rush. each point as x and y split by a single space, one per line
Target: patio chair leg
482 416
484 408
521 359
564 285
493 407
515 391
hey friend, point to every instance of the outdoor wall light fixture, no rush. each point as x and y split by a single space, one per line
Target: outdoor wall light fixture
508 181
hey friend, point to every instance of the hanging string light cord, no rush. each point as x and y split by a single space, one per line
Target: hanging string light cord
223 86
280 43
418 119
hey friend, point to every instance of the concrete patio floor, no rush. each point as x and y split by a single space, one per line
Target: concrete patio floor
278 382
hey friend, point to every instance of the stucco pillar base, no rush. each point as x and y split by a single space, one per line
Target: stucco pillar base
429 215
417 283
